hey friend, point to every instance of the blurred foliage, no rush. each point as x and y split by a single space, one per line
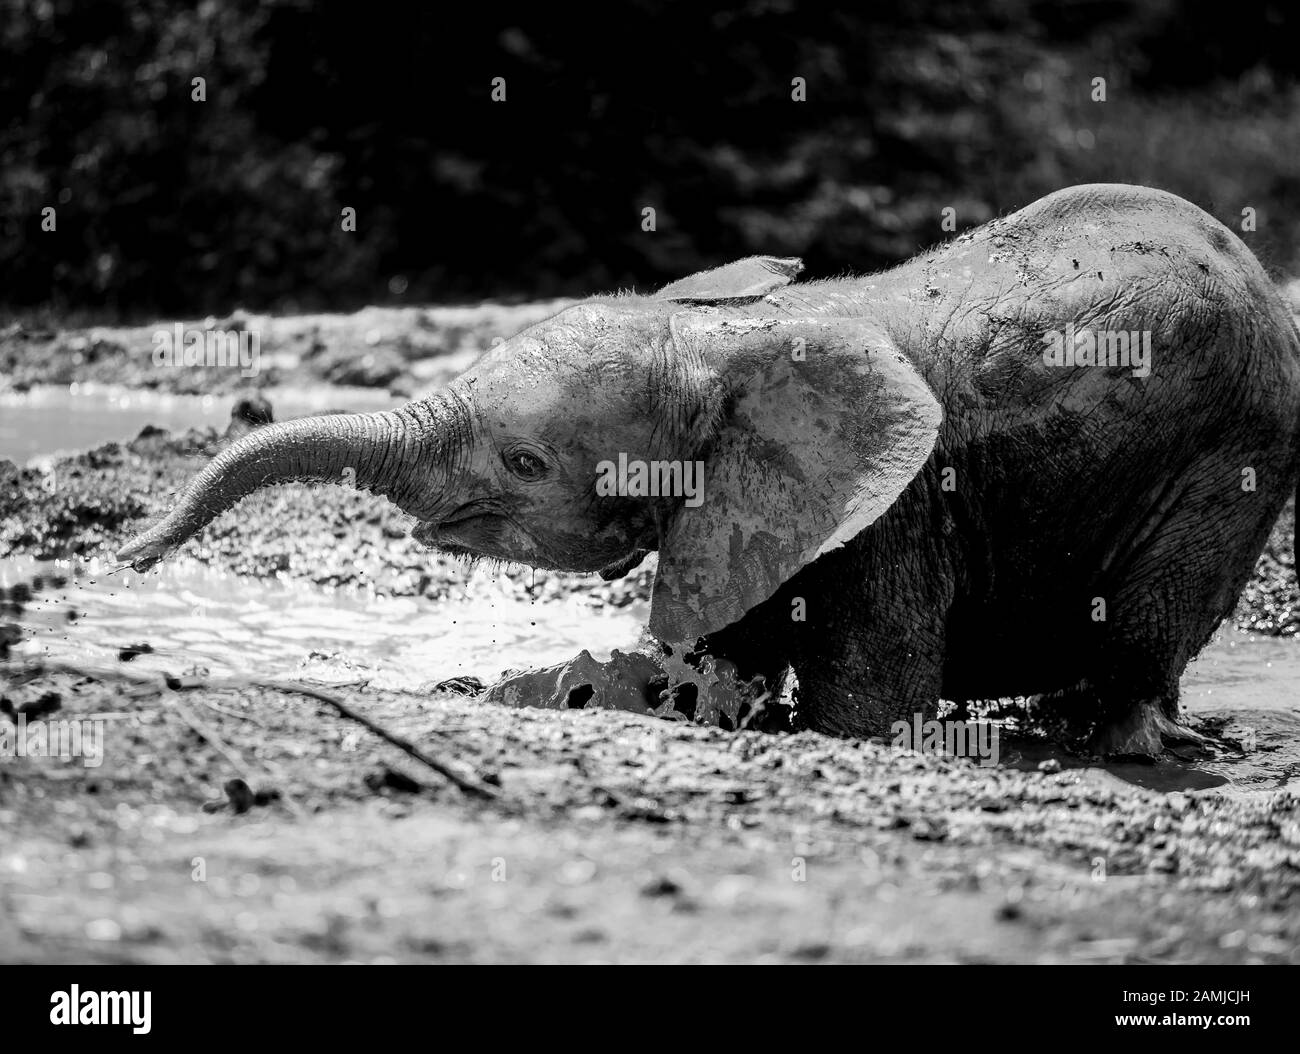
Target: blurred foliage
170 205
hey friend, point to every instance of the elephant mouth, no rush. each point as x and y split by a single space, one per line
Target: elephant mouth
472 531
425 533
446 534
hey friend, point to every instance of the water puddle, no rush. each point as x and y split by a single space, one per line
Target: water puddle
51 420
190 615
1244 686
1245 672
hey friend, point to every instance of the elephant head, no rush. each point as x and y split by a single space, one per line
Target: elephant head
805 431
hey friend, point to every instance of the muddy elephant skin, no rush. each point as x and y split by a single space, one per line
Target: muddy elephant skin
1039 459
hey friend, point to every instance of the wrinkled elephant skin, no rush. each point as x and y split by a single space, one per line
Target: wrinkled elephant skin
1040 459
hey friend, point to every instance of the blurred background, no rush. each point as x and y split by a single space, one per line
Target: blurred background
167 205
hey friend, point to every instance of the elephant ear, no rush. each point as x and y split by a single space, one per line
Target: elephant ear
753 276
826 425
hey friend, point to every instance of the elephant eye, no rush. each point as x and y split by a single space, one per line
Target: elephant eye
525 465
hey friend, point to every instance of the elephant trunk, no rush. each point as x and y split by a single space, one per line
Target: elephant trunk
392 453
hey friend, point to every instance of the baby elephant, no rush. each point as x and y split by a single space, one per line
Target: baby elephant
1039 459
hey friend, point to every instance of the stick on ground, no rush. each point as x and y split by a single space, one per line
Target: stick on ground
469 786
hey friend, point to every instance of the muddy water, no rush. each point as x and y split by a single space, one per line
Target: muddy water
50 420
1251 684
193 616
1246 686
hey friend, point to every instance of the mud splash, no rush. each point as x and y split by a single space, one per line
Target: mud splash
191 616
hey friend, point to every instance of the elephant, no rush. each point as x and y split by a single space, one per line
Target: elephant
952 480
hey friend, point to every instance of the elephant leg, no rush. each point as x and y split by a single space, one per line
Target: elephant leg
1185 568
1131 711
856 681
1157 628
1160 619
1143 727
1128 703
873 656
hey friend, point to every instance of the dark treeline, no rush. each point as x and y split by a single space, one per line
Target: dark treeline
165 204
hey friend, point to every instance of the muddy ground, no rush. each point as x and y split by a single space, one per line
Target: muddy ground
584 835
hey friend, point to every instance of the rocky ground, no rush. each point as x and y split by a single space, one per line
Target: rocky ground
237 821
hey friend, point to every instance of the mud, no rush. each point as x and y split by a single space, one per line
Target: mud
232 821
615 838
